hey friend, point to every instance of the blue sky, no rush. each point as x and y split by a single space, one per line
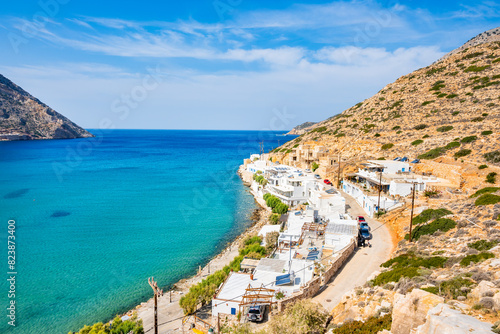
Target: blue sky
223 64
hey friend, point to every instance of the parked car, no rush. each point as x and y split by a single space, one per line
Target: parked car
308 170
327 182
256 313
317 176
365 233
361 219
364 225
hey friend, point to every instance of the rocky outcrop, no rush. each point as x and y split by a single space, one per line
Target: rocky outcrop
492 35
301 129
443 319
411 310
24 117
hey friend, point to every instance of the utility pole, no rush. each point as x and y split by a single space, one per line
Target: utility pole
261 148
338 174
379 191
157 293
412 203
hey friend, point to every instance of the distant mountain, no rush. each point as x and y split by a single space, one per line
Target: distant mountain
449 109
24 117
300 129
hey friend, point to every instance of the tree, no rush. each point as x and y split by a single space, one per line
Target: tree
271 240
274 219
281 208
314 166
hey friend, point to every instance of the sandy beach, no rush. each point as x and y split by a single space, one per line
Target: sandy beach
170 314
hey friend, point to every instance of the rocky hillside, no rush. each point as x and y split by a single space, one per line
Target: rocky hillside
492 35
447 114
450 108
301 129
24 117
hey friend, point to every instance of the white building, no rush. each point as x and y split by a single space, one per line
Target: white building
279 275
292 187
326 201
293 231
340 232
367 202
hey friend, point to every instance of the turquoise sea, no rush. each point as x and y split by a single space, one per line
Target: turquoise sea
96 217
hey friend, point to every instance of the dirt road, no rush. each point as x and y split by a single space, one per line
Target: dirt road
363 262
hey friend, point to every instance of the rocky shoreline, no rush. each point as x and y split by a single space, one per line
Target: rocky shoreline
168 304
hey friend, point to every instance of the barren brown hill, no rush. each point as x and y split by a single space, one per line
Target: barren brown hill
450 108
24 117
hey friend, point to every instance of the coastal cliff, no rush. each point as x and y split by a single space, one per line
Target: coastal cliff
24 117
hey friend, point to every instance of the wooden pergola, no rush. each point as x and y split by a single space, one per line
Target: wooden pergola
257 296
314 227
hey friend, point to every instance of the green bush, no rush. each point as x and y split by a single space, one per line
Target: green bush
432 154
407 265
491 177
417 142
452 145
260 179
410 260
477 119
428 102
445 128
281 208
371 325
475 68
487 190
320 129
486 133
493 157
387 146
425 136
274 219
468 139
430 214
275 203
435 70
483 245
472 55
487 199
314 166
117 326
462 153
441 224
451 96
203 292
395 275
397 127
420 127
482 166
475 258
452 289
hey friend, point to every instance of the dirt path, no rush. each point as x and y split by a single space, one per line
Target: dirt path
362 263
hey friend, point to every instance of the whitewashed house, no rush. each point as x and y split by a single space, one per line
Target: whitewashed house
339 233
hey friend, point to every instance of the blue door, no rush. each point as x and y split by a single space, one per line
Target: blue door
233 311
